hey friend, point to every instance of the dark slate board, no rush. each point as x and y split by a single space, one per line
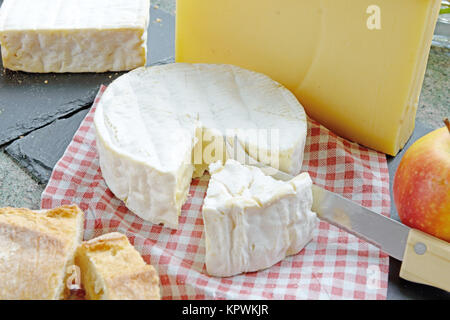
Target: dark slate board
39 151
27 102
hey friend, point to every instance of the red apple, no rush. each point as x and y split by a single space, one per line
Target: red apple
422 184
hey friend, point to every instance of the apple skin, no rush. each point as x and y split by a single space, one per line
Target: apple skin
422 185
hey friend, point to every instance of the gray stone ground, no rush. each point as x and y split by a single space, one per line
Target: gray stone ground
434 104
18 189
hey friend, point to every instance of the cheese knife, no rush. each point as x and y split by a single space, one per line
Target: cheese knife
425 259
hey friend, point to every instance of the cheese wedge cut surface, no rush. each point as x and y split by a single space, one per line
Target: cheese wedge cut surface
74 35
157 127
357 66
253 221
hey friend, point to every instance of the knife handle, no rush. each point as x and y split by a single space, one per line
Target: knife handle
426 260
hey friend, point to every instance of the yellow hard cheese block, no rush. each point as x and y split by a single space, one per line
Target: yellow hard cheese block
357 66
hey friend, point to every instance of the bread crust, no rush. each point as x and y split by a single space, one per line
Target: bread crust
112 269
36 249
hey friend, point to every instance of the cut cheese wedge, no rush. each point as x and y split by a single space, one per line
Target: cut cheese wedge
357 66
158 127
253 221
74 35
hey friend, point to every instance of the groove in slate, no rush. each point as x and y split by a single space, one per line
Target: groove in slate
21 128
40 158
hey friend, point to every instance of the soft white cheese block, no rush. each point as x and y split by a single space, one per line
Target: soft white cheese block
152 122
74 35
253 221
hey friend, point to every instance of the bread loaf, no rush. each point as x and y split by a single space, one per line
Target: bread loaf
112 269
36 249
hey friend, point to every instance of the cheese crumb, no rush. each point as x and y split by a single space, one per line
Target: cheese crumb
158 20
156 6
46 81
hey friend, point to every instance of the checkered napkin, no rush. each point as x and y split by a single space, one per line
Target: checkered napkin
334 265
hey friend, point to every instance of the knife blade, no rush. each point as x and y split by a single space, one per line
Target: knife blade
387 234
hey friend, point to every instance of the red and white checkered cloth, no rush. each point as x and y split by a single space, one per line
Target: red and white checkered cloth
334 265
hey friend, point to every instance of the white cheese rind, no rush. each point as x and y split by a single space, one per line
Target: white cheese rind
253 221
74 35
149 120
